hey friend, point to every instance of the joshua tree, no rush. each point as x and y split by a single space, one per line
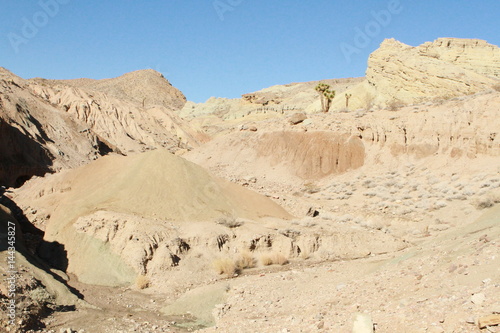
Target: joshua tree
347 96
325 94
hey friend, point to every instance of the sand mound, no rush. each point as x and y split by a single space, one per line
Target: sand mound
122 199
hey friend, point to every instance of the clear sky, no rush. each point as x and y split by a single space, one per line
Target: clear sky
224 48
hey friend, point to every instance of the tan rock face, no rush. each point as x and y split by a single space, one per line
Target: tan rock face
312 155
46 125
472 54
35 137
144 87
442 69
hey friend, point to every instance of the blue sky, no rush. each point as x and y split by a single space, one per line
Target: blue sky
224 48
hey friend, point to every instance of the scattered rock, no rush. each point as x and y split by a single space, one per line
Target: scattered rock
478 299
363 324
491 320
297 118
312 212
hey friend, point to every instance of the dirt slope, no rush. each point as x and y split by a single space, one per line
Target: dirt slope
48 125
99 212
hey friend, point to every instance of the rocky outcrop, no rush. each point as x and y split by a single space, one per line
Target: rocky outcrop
296 94
127 126
312 155
443 69
35 136
291 156
48 125
147 88
270 102
472 54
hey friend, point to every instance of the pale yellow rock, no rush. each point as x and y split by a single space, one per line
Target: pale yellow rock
363 324
442 69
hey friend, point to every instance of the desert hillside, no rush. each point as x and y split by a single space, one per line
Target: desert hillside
50 125
139 211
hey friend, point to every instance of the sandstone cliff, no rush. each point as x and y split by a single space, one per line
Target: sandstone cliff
443 69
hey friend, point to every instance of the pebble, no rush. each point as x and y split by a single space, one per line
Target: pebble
363 324
478 299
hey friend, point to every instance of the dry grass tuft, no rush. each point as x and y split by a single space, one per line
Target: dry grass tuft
225 266
496 87
142 282
246 260
395 105
229 222
311 188
275 258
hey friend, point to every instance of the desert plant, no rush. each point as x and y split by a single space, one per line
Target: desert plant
347 97
394 105
496 87
245 260
368 102
311 188
142 282
326 95
275 258
225 266
229 222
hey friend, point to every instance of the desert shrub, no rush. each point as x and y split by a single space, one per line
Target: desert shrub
266 259
395 105
245 260
229 222
496 87
225 266
311 188
368 102
275 258
142 282
484 203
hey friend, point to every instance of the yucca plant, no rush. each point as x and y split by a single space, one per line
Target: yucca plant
326 95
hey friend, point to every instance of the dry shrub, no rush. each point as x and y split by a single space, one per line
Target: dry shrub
496 87
225 266
484 203
395 105
488 201
275 258
311 188
229 222
368 102
245 260
142 282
